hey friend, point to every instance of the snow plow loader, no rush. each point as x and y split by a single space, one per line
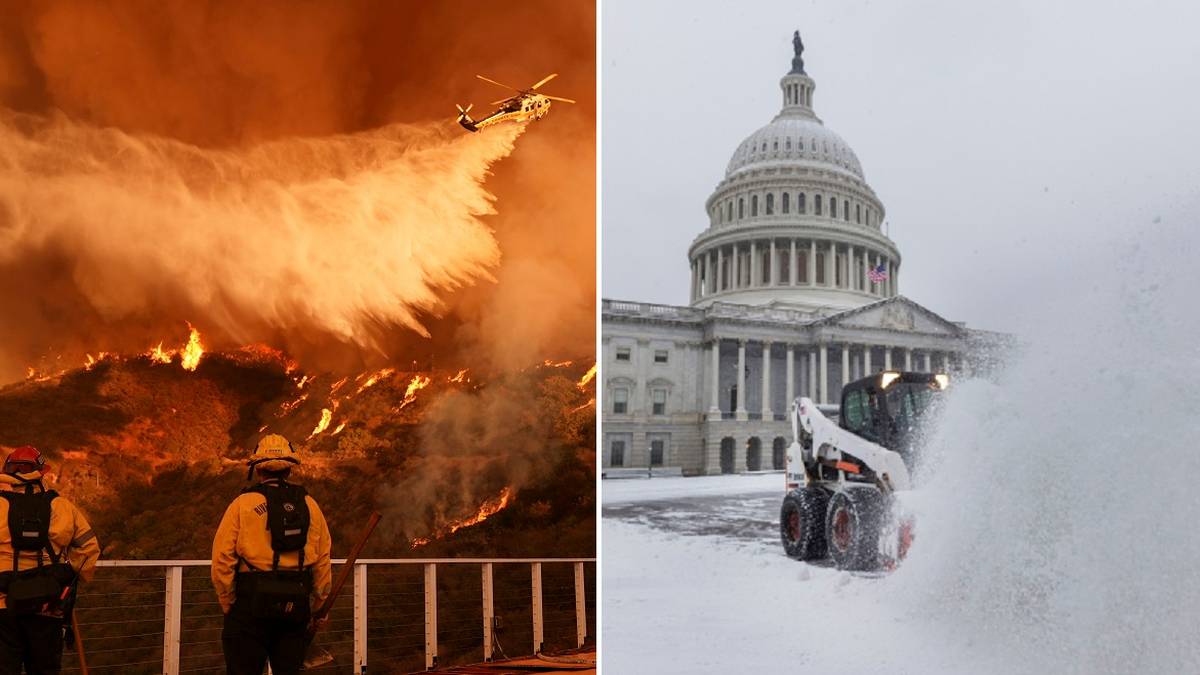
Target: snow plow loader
842 476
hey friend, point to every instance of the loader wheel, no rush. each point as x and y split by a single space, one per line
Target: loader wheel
853 521
802 523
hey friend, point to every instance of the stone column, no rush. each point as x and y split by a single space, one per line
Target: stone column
823 376
887 358
712 272
715 410
741 382
791 379
753 264
928 363
863 272
720 267
774 271
766 382
737 267
907 359
812 263
812 374
867 360
793 266
845 364
831 268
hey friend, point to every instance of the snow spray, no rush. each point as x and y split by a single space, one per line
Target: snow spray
1058 521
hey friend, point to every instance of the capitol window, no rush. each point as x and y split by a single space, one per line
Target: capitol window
833 207
817 204
770 203
846 210
820 267
753 205
623 353
659 402
741 207
858 213
775 145
801 207
660 356
620 401
787 144
785 202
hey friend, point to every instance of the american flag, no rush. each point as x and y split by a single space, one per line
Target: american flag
878 274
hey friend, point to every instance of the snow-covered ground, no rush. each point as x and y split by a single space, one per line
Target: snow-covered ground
1058 517
677 600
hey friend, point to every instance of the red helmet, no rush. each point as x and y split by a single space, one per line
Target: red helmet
25 459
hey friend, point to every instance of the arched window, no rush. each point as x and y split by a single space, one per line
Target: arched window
858 213
729 211
785 202
764 146
741 207
833 207
817 204
846 210
770 203
787 144
801 207
775 145
753 205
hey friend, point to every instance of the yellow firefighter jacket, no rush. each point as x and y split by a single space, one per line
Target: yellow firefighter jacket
243 533
70 535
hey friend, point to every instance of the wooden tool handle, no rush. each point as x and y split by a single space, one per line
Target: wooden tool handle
344 573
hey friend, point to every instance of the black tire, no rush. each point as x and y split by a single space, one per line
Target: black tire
802 523
853 521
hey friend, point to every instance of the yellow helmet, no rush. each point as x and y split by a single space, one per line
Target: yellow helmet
274 453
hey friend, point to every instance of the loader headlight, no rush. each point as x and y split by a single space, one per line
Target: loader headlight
887 378
942 379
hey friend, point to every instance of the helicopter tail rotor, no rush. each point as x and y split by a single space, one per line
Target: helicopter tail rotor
462 113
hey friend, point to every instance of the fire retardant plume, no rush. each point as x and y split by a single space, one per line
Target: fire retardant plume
338 235
291 174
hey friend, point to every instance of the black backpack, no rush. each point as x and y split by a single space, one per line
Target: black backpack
47 586
281 594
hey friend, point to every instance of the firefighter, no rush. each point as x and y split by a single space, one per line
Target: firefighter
46 548
270 565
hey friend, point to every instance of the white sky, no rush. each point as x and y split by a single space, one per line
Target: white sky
1007 140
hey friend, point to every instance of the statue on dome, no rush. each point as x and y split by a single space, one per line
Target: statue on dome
797 60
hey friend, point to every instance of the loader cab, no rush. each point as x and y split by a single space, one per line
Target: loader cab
888 408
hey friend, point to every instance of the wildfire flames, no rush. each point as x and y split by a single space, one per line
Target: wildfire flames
488 509
587 377
418 383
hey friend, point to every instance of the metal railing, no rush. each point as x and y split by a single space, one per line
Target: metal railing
162 616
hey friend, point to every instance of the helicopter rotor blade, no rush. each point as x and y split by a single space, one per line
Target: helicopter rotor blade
499 84
544 80
503 100
559 98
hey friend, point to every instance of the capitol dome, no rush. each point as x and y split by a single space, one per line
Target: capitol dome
794 222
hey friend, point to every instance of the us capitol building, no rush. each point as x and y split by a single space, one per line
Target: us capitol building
794 291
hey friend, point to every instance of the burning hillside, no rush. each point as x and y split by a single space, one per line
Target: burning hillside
434 450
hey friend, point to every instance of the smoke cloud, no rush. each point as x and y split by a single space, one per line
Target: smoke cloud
291 174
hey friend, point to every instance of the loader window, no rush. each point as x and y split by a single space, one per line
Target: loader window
857 411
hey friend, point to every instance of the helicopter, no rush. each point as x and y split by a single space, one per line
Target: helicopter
528 104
